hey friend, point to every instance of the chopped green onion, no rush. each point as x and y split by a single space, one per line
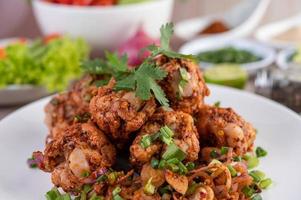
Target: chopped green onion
232 170
146 141
257 175
85 174
116 191
149 188
95 197
53 194
184 74
192 188
237 159
252 161
256 197
87 188
217 104
173 161
173 151
173 167
248 191
224 150
183 168
190 166
154 163
260 152
214 161
102 178
213 154
166 135
265 183
166 189
117 197
162 164
112 176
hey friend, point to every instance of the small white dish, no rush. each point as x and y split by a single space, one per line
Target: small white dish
207 44
267 32
19 94
103 26
283 58
24 131
242 19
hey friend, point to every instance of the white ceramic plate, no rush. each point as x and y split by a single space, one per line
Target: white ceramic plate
279 132
207 44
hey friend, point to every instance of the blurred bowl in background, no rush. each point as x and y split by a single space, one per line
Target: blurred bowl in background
208 44
281 34
241 20
21 94
103 26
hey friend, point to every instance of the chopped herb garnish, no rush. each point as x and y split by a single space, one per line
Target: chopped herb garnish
116 192
265 183
237 159
146 141
224 150
257 175
85 174
184 78
248 191
217 104
102 178
166 135
54 194
165 190
192 188
173 151
154 163
190 166
149 188
213 154
260 152
256 197
252 161
232 171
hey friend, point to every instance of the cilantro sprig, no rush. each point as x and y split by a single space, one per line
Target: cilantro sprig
144 79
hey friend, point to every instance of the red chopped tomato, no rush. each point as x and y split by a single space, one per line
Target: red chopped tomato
2 53
51 37
104 2
82 2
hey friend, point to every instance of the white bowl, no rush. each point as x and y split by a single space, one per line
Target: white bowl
242 18
207 44
282 60
103 26
267 32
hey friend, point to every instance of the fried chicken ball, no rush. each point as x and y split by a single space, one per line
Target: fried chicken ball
185 136
118 114
219 127
72 105
184 85
76 156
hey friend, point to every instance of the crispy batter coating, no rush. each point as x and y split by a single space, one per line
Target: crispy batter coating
119 114
76 155
190 97
63 108
185 136
219 127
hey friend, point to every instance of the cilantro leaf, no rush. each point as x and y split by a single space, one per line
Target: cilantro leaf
117 63
96 66
143 81
166 33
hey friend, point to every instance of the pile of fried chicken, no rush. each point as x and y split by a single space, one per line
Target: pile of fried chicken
91 128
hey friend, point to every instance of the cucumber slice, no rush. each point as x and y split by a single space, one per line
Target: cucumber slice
229 75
